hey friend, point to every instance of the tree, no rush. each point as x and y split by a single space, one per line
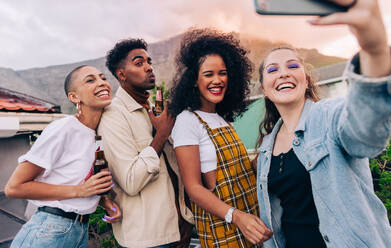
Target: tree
381 173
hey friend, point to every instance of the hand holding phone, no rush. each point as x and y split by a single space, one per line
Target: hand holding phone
300 7
366 23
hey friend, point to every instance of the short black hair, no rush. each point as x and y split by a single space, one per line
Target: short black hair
195 45
69 79
120 51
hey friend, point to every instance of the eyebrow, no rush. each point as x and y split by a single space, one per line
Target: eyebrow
290 60
293 60
137 57
141 57
209 71
89 75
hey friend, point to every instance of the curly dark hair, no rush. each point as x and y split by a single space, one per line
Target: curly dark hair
118 54
195 46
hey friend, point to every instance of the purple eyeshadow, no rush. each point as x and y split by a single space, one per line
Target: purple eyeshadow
271 69
293 65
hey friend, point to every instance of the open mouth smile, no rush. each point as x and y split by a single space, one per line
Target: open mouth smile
103 94
216 90
285 86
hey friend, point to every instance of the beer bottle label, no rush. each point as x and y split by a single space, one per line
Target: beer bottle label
159 96
99 146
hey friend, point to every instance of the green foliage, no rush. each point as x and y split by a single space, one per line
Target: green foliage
164 90
381 173
100 231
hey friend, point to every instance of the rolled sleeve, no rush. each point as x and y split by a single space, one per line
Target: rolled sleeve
151 160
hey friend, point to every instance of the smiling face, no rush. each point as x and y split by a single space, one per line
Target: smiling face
284 77
136 72
212 82
90 88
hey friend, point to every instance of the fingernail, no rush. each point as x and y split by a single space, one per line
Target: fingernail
104 219
114 209
312 21
108 217
113 185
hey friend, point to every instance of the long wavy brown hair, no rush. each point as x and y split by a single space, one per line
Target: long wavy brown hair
271 113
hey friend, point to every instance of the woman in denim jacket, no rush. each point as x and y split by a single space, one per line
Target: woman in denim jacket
314 184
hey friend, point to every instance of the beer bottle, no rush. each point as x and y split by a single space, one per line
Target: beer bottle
100 162
159 101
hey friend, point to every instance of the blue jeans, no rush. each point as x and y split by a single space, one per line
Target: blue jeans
49 230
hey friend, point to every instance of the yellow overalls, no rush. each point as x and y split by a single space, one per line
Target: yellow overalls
235 185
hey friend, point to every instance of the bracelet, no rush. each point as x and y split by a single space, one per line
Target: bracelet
228 216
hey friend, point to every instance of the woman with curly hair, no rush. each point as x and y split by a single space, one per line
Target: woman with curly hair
210 88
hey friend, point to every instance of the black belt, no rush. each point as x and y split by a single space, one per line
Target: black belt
62 213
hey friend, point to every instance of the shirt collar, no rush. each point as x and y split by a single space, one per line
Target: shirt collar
128 100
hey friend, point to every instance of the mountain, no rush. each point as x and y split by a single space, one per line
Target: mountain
47 83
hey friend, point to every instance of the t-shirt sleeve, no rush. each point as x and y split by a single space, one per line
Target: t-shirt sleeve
186 130
47 149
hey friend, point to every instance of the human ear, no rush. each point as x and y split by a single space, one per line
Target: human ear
308 80
120 75
73 97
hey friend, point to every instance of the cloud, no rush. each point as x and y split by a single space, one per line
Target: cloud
347 45
45 32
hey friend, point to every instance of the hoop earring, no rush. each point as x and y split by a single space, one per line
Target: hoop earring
78 107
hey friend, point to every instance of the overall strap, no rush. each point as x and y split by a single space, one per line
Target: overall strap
208 129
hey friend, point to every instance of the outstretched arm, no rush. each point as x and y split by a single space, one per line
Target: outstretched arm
362 126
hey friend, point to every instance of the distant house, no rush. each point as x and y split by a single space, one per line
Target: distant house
330 82
21 118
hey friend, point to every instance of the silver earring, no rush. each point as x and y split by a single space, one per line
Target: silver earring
78 107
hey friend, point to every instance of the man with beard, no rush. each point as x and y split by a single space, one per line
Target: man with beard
142 162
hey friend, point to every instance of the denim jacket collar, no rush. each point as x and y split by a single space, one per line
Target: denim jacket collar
306 109
268 141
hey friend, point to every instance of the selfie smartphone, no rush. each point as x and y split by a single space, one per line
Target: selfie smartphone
297 7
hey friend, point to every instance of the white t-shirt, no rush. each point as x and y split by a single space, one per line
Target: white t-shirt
66 150
188 130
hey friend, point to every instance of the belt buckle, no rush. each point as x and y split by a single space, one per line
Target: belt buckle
81 218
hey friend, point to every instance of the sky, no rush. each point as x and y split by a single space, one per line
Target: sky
39 33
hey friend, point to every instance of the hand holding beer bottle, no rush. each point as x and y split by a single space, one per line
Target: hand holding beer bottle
159 106
162 122
101 181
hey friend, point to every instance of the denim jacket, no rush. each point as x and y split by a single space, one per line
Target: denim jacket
333 141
